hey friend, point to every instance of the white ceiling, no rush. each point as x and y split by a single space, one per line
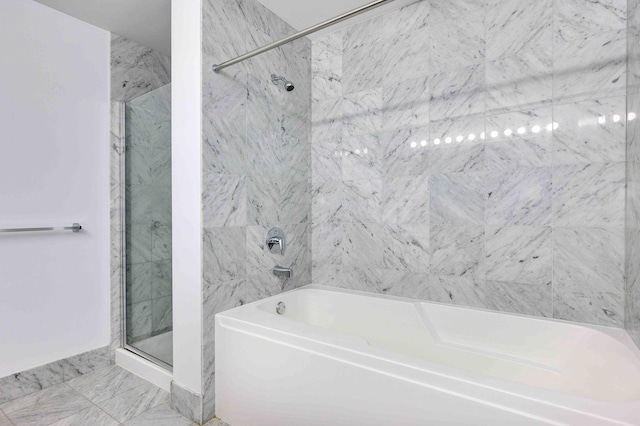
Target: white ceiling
147 22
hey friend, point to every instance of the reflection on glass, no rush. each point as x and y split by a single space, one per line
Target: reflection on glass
149 322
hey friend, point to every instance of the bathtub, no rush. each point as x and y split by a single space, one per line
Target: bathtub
341 357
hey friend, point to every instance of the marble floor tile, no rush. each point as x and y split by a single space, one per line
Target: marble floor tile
589 195
519 254
519 197
34 398
93 416
457 199
589 258
33 380
50 408
525 299
106 384
127 405
161 415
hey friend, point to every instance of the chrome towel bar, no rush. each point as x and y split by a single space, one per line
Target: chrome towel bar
75 228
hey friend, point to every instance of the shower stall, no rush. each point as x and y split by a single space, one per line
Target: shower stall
147 226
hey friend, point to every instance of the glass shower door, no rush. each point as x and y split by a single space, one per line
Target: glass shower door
148 307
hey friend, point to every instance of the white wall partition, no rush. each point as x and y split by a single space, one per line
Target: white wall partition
187 189
54 170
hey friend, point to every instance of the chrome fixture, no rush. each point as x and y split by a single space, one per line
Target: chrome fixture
303 33
280 308
281 271
275 241
276 79
75 228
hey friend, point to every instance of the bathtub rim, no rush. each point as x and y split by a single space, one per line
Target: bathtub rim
466 384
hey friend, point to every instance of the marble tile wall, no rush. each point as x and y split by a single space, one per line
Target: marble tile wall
135 71
474 153
632 308
148 214
256 163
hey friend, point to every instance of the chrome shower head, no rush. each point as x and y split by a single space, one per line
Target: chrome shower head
288 86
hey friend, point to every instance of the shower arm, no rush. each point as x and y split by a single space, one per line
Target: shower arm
303 33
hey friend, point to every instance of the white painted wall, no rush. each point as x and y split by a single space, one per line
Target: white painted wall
54 170
186 155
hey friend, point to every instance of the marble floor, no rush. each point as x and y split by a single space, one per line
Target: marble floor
108 397
160 346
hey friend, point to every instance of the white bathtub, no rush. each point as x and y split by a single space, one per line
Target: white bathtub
339 357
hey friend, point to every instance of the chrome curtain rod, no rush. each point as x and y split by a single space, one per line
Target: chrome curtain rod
75 228
303 33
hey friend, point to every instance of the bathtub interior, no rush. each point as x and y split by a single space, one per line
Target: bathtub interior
547 354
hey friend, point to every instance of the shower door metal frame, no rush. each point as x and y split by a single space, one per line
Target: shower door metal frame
123 249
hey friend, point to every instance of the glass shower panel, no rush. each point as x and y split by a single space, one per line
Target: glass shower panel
148 224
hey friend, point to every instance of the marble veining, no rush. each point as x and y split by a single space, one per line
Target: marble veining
589 195
135 69
521 197
461 142
65 405
519 254
589 258
523 299
257 163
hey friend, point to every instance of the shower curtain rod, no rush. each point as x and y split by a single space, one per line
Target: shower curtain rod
303 33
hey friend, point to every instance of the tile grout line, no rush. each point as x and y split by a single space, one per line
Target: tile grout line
96 405
6 416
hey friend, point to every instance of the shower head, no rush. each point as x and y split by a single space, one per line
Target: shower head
288 86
